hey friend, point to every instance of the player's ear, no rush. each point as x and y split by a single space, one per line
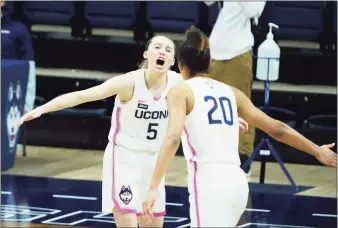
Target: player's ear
173 62
145 54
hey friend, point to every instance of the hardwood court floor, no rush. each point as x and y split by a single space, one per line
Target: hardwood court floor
87 165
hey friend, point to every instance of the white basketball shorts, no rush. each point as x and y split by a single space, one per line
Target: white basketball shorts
218 194
125 181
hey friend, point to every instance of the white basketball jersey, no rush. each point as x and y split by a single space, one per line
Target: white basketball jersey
211 131
140 124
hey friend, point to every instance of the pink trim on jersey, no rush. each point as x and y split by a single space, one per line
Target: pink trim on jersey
117 129
195 177
156 98
156 214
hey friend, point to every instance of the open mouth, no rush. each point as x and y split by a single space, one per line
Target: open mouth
160 62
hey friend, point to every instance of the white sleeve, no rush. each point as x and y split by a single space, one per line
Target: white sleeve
253 9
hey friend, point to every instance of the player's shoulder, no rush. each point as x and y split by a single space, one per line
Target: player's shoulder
136 76
181 89
136 72
177 76
174 73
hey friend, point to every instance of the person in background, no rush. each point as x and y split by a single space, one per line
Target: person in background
231 42
16 42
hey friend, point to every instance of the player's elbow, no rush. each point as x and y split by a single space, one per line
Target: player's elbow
278 130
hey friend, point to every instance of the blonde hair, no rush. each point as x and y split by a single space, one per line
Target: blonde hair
144 63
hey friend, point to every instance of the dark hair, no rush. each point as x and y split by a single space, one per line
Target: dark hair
194 51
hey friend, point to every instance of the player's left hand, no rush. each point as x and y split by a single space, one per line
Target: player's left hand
35 113
243 125
327 156
147 207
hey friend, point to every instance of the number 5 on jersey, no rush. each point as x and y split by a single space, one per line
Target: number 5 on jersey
226 108
152 131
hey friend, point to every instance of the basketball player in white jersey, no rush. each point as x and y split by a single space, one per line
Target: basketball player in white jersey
138 126
202 113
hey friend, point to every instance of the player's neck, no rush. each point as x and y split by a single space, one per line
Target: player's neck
155 79
202 75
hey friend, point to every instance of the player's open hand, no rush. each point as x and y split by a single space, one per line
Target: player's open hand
35 113
147 207
327 156
243 125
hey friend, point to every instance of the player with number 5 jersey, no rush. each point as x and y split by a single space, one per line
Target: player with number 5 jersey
137 131
138 125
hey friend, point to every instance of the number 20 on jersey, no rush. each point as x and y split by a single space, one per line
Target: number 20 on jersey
224 104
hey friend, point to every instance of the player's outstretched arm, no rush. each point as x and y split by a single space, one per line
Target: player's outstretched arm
282 132
116 85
